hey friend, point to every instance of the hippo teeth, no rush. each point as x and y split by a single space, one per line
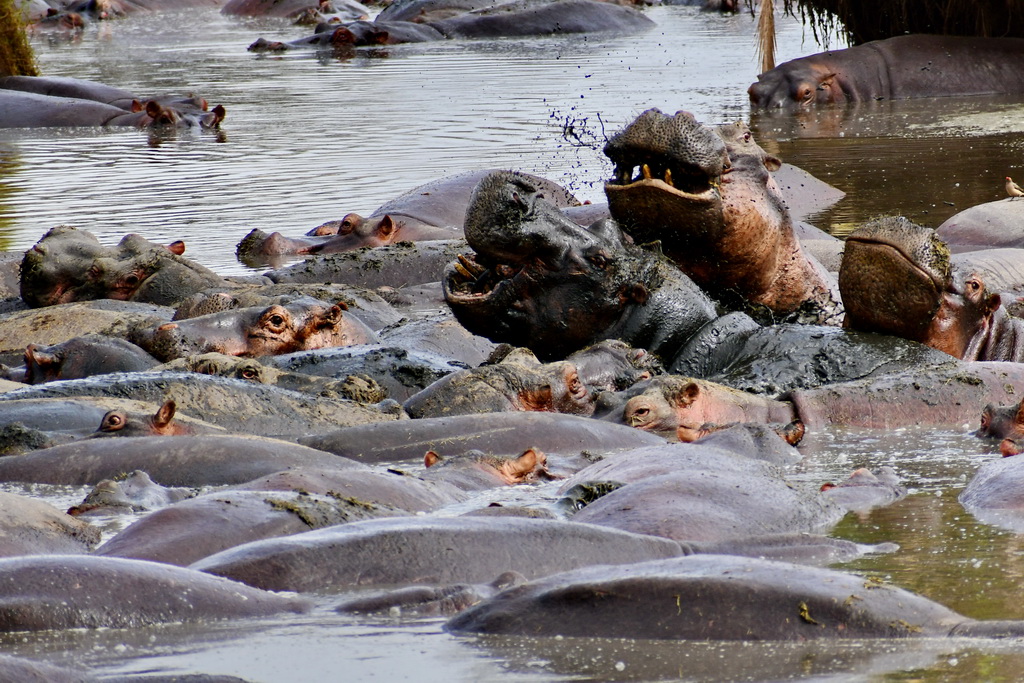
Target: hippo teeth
678 179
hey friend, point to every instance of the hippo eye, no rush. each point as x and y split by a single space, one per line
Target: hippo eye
973 285
641 412
95 272
600 261
131 280
248 373
112 423
276 320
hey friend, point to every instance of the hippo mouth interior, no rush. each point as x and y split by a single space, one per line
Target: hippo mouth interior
468 281
666 174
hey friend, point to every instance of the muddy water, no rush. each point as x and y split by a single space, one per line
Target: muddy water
308 139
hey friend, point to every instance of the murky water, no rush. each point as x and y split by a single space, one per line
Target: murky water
308 139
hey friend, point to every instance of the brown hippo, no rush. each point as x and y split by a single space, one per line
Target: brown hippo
715 597
895 68
78 591
301 324
67 264
1002 422
708 196
897 278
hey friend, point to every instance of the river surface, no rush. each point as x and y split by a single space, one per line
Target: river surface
308 139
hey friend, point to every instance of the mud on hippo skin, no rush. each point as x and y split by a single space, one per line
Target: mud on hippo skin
897 278
539 280
359 388
708 196
67 264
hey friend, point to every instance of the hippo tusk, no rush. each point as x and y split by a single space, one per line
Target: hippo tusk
463 271
646 171
668 178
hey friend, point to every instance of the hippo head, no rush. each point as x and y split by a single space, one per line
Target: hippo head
67 265
896 278
664 166
538 279
796 84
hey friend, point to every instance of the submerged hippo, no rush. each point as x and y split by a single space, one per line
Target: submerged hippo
91 354
715 597
895 68
135 492
898 278
707 195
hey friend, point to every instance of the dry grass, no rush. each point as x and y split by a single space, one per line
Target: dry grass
16 58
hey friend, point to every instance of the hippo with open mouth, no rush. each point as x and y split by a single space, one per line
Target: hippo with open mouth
707 195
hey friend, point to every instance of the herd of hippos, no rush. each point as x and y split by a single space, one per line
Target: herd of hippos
659 356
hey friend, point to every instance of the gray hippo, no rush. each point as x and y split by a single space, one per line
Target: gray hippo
895 68
33 101
76 591
714 597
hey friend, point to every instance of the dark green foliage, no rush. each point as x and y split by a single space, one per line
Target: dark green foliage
16 58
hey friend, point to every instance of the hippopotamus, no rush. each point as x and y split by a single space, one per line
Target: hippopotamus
33 101
430 600
361 388
900 67
193 461
992 225
994 494
897 278
134 493
517 287
120 422
509 385
1002 422
526 18
717 597
399 372
90 354
394 265
52 325
707 195
346 10
614 365
67 264
34 527
78 591
232 404
865 489
474 470
711 494
330 36
436 550
432 211
298 325
505 433
197 527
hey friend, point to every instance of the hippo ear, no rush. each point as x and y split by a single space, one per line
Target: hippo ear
688 394
522 466
177 247
431 458
1018 417
635 293
136 106
793 433
386 228
46 363
164 415
772 163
